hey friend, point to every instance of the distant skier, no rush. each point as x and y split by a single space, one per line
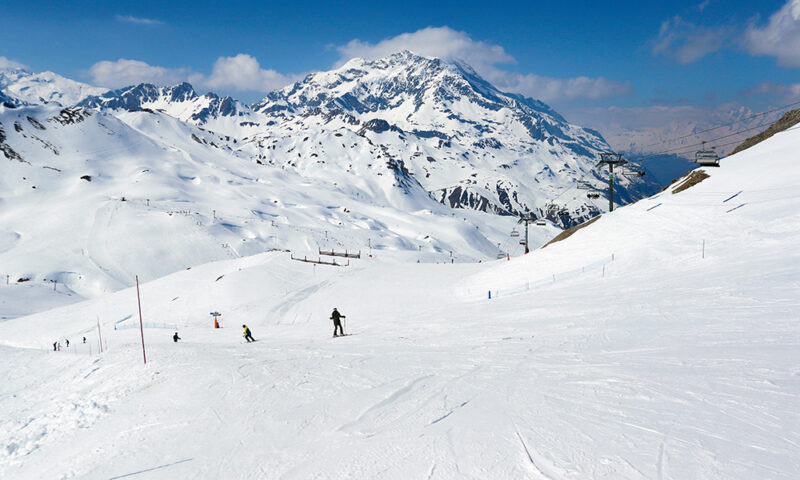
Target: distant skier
84 339
175 337
55 344
335 316
248 335
68 343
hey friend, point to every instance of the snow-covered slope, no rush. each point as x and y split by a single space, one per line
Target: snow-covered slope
90 200
44 88
659 342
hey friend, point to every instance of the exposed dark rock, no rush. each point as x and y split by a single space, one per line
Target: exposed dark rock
788 120
35 123
71 115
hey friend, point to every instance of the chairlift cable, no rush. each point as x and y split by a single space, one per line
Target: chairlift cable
689 148
783 107
739 141
664 152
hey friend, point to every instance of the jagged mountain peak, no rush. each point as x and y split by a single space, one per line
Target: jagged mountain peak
448 99
136 95
402 80
180 101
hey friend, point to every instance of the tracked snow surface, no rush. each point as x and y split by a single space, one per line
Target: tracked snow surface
660 342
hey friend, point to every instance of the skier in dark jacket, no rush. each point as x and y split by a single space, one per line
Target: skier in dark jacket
335 316
248 335
175 337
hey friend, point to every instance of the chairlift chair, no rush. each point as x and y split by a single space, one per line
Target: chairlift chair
706 158
501 255
522 242
541 222
584 186
593 195
514 233
634 173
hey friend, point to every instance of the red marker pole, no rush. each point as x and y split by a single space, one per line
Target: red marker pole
141 326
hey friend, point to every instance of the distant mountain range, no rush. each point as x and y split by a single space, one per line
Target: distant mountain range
465 142
409 154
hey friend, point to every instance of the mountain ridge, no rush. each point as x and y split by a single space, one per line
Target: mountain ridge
45 87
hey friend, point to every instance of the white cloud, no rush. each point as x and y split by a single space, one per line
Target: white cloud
242 72
686 42
449 44
442 42
138 20
7 63
124 72
702 5
550 89
672 128
782 92
779 38
239 73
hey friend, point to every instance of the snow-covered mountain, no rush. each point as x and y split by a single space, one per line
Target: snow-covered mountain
437 123
410 156
44 88
222 114
467 143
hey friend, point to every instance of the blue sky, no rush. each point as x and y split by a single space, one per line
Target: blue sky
580 57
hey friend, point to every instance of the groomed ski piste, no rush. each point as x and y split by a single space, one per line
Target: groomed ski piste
660 342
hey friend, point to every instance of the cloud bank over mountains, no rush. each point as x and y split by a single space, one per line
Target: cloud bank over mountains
683 40
487 59
240 72
243 72
7 63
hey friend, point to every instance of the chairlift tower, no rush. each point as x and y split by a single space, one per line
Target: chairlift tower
527 219
611 159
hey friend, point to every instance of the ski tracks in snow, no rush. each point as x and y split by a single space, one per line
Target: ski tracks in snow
536 470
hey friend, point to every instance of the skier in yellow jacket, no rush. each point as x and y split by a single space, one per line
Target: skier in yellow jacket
248 335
